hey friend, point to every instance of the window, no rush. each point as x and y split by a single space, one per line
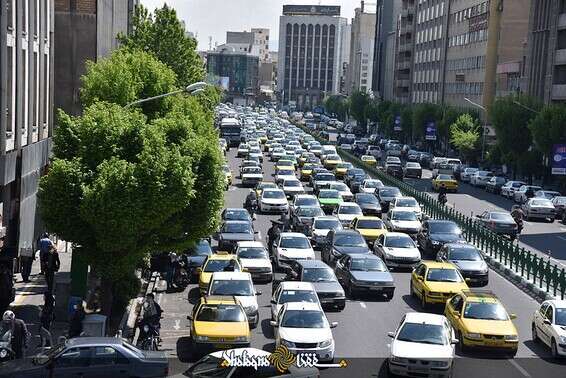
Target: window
74 357
105 355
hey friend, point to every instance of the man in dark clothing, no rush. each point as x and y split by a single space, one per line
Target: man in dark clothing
20 333
51 267
44 245
76 324
272 234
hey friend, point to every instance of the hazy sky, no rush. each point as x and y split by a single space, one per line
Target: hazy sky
214 17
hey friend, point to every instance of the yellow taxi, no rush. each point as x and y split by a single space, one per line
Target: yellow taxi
262 139
260 187
341 169
219 322
481 321
331 161
306 171
227 175
448 181
284 164
435 282
369 227
304 157
217 262
369 160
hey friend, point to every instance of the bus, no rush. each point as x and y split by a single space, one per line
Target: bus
230 129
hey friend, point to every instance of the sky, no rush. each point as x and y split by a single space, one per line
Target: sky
215 17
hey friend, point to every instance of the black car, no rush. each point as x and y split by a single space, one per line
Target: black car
342 242
322 277
350 173
494 184
435 233
369 203
394 170
365 273
232 232
195 256
386 195
303 217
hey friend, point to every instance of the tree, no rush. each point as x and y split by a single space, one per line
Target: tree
372 110
358 104
423 113
336 105
549 127
464 135
163 35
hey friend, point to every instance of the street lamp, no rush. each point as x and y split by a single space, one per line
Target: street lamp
526 107
192 89
483 126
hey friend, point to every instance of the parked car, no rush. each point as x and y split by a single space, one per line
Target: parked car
549 326
521 195
509 188
413 169
467 174
499 222
559 203
548 194
494 184
480 178
539 208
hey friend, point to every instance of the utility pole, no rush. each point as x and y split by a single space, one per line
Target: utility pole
494 29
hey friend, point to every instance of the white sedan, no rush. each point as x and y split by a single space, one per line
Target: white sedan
292 291
292 187
422 345
302 327
255 259
321 226
284 174
403 221
549 326
346 212
370 185
273 200
407 203
343 190
292 246
397 250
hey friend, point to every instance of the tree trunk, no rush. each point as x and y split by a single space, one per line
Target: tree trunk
107 299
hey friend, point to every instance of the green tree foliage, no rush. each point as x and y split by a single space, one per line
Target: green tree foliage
423 113
372 110
549 128
336 105
464 135
358 103
163 35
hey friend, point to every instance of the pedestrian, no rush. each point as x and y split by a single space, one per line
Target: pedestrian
20 334
76 323
171 265
47 315
6 286
44 245
26 260
51 267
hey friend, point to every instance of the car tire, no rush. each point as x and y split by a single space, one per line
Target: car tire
534 334
461 345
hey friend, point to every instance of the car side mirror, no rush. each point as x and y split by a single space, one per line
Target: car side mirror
391 334
478 216
189 317
514 316
258 292
454 341
273 323
199 270
333 324
545 321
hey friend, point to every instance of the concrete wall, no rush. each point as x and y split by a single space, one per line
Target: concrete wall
112 19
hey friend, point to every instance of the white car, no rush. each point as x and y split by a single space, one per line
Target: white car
254 258
277 153
346 212
304 200
520 195
292 291
302 327
243 150
284 174
251 176
343 190
370 185
292 187
273 200
549 326
539 208
292 246
402 220
467 174
480 178
239 285
255 152
407 203
423 344
321 226
509 188
397 250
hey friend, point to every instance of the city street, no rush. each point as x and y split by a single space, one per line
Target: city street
361 336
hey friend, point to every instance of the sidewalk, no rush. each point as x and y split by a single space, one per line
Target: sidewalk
29 298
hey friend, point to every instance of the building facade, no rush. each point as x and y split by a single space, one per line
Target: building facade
26 119
240 70
85 30
310 54
362 42
545 72
261 44
404 52
386 16
388 93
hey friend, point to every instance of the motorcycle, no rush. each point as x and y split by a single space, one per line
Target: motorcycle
181 278
148 338
442 199
251 206
6 352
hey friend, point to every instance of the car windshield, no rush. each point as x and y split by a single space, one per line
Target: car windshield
541 202
285 172
502 217
304 319
323 274
423 333
373 184
444 228
367 265
306 201
252 253
327 224
340 187
349 210
397 241
389 192
294 242
273 194
366 198
444 177
485 310
202 248
232 287
356 171
285 163
413 165
221 266
344 165
403 216
298 296
237 228
220 313
267 185
443 275
352 239
464 254
236 214
333 157
292 183
406 202
325 177
251 170
370 224
311 211
560 317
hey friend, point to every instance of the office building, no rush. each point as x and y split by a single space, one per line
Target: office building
404 52
362 42
310 54
388 94
85 30
386 16
545 73
26 119
261 44
346 40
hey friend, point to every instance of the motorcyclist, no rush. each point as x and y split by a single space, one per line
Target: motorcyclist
442 194
151 311
251 201
19 333
518 215
272 234
284 220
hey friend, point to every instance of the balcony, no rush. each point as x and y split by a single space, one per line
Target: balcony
559 92
562 21
404 47
560 57
403 83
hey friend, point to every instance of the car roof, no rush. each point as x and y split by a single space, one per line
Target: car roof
296 285
250 244
401 234
312 263
424 318
307 306
439 265
367 217
293 234
300 196
236 276
222 256
86 341
219 299
480 296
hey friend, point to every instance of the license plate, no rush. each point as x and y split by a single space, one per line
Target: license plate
415 369
494 342
376 288
222 346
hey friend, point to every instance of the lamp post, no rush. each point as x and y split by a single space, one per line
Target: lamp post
192 89
483 125
526 107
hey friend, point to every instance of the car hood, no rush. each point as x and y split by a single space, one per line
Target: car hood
327 287
469 265
372 276
255 263
406 349
305 335
221 329
247 301
371 232
274 201
412 225
445 238
320 232
402 252
237 236
296 253
349 217
352 250
490 327
446 287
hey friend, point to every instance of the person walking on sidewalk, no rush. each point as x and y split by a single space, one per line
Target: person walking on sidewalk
20 334
76 324
51 267
44 244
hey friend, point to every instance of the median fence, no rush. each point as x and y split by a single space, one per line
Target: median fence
538 271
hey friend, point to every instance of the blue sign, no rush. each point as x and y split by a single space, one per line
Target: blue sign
397 126
559 159
430 132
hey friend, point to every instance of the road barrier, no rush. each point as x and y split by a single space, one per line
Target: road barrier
538 271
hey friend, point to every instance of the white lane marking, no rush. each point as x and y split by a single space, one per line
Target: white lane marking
177 324
562 237
363 305
519 368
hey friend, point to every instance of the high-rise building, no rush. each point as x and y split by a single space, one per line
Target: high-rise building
26 119
388 93
386 16
362 42
545 73
404 52
310 54
261 44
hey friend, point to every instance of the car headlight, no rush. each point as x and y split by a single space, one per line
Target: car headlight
439 364
511 338
288 344
3 353
201 338
241 338
562 340
325 343
398 360
473 335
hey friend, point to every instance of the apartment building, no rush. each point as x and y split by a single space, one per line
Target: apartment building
362 42
405 52
386 15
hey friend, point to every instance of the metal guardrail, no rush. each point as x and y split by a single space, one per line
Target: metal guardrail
539 270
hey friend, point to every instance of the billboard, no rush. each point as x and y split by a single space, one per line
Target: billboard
559 159
311 10
430 131
397 125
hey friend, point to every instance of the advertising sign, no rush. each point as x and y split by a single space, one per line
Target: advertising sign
430 132
559 159
397 126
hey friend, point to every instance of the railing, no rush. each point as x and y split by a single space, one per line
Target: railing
538 270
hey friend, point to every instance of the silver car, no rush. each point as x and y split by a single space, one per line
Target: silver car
539 208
